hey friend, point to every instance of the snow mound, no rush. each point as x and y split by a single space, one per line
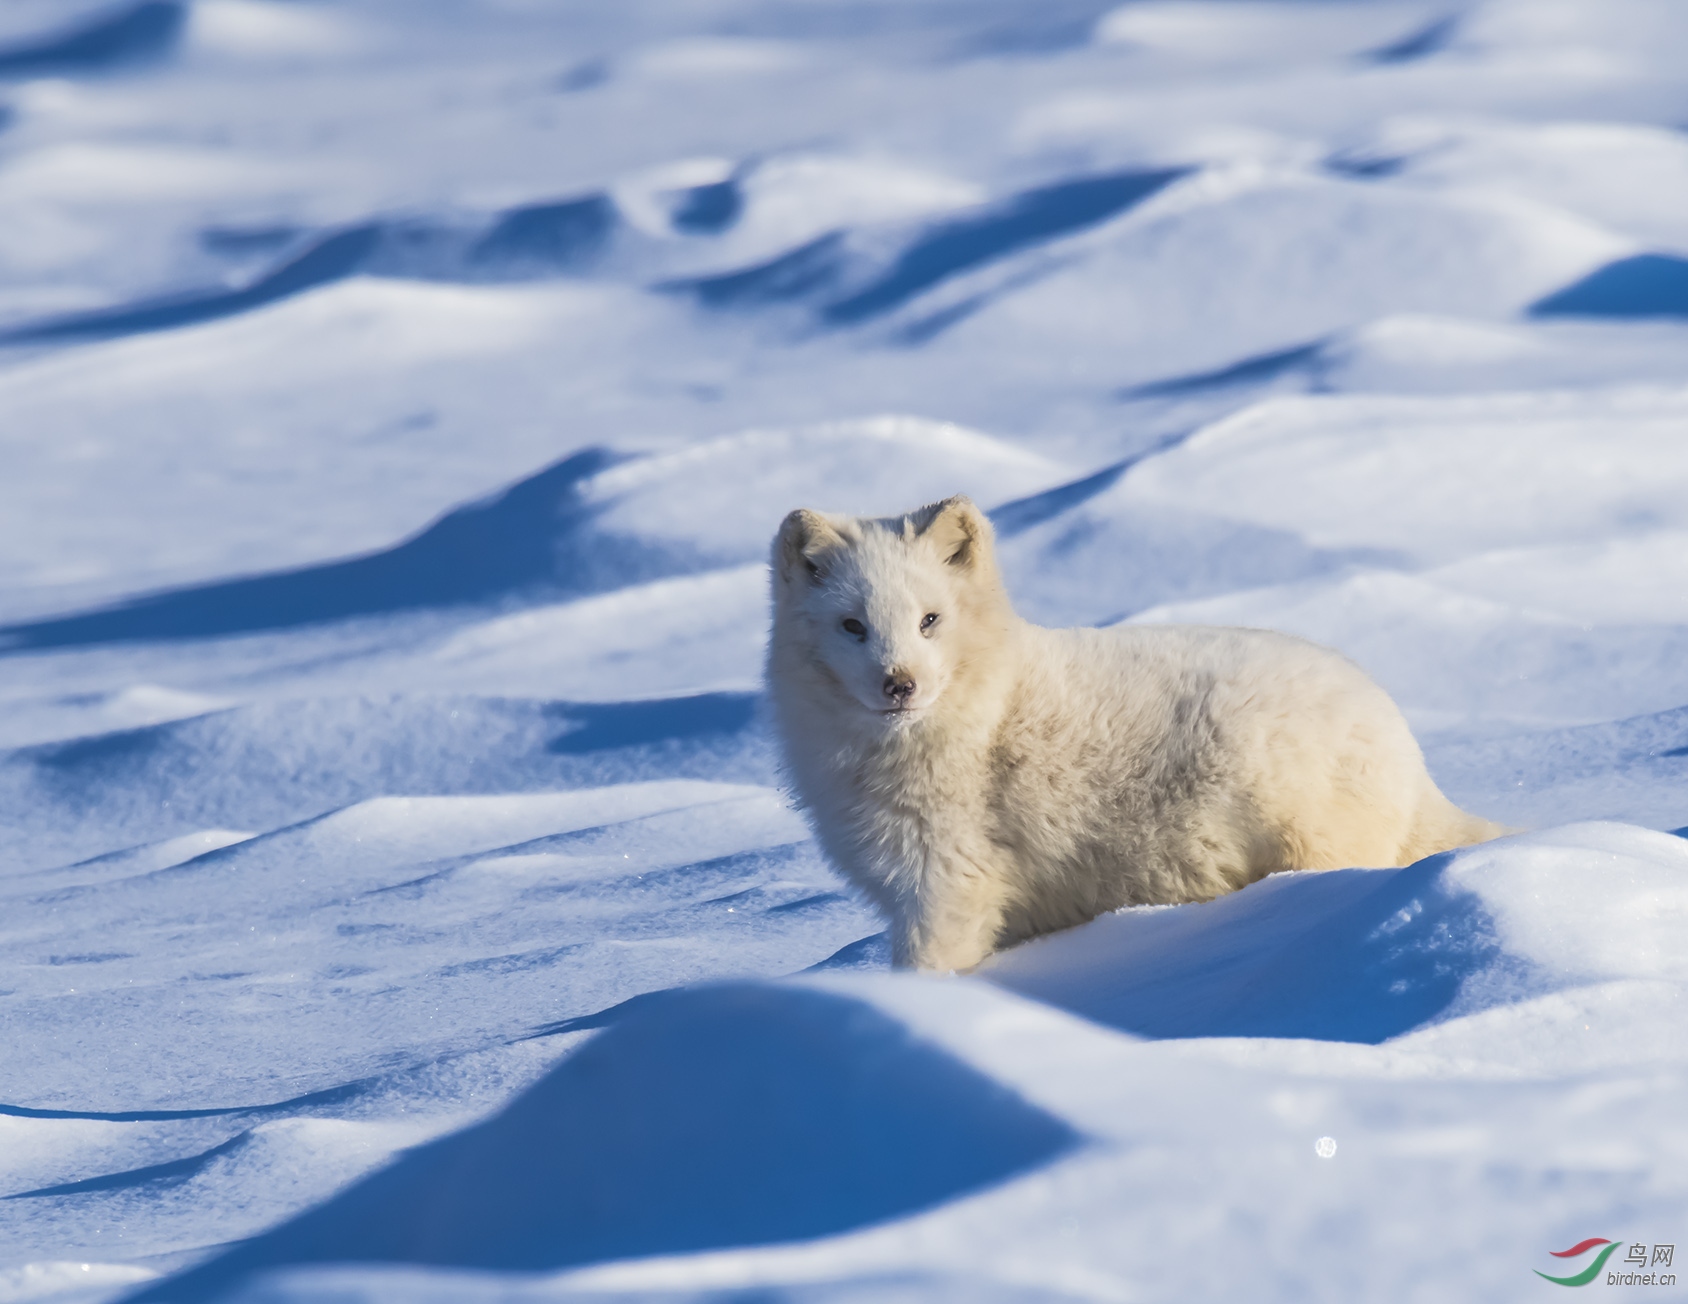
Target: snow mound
727 241
263 30
1105 551
59 1280
711 216
1435 645
693 634
589 523
398 404
1332 468
283 762
1629 177
1414 353
1273 34
1644 285
1245 261
852 279
723 1116
1365 955
725 498
146 858
135 33
1634 769
535 909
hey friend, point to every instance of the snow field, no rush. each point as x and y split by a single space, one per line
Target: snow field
397 899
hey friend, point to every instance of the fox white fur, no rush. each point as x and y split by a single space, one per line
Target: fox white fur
984 780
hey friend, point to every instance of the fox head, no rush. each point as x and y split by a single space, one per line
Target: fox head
893 611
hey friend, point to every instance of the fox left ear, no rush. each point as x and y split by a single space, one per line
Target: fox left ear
803 544
957 528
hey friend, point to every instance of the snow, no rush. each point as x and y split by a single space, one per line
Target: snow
398 901
1367 955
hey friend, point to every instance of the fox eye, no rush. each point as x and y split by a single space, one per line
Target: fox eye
854 626
930 620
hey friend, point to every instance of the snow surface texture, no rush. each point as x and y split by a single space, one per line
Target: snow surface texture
398 397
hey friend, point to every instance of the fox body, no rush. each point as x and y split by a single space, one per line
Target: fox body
984 780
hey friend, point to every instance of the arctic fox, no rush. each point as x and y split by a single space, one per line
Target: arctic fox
984 780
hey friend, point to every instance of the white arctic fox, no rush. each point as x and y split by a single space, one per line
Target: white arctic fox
985 780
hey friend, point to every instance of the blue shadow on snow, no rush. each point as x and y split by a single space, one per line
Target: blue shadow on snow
532 241
705 210
327 1096
1365 166
136 33
809 269
244 241
1041 29
600 726
1250 371
555 237
707 1118
1027 219
1646 285
1022 514
172 1173
570 235
1358 955
515 540
943 250
118 745
330 259
527 538
1430 39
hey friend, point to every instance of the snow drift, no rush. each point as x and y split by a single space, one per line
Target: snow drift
399 401
722 1116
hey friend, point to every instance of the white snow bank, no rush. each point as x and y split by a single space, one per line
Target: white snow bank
143 859
1245 262
1275 34
373 454
1447 1161
1438 478
387 831
1630 178
1464 549
1637 579
776 204
293 851
59 1279
263 31
1369 954
724 1116
1635 31
1417 353
694 633
388 934
726 497
1448 654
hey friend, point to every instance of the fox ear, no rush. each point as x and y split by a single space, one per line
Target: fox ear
802 545
957 529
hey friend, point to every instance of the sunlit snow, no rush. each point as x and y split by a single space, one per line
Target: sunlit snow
398 900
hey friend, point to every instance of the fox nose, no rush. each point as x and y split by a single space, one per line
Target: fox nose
898 688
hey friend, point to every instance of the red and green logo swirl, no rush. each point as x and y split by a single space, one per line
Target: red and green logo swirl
1589 1273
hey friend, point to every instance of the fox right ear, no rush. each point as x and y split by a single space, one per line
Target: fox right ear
802 544
959 530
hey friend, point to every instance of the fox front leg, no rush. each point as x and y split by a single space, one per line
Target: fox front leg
955 922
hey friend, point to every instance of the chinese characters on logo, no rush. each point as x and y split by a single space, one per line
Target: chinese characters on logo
1662 1255
1639 1267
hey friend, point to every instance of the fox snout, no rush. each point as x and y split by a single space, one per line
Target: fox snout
898 688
